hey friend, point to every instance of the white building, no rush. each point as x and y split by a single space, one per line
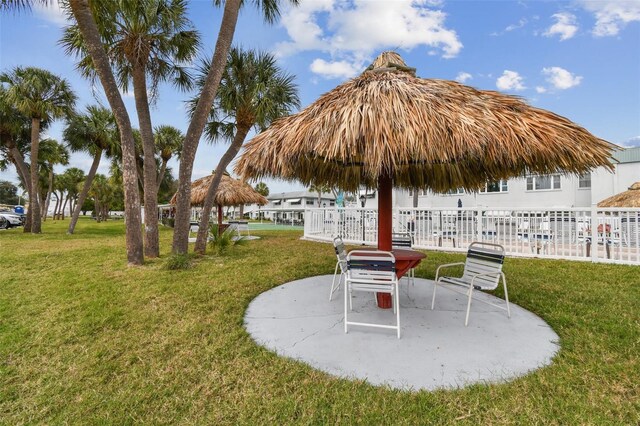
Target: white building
289 206
551 191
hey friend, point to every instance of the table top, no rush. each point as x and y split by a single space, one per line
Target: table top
404 254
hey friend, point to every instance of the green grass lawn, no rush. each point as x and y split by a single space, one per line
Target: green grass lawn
86 339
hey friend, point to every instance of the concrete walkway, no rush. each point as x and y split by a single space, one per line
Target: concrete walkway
436 350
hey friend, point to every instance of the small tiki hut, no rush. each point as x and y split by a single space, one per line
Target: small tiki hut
389 128
231 192
629 198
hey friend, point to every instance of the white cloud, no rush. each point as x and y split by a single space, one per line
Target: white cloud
463 77
510 80
521 23
565 26
334 69
541 89
612 15
632 143
352 31
52 12
560 78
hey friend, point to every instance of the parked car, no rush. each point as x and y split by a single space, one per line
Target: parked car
10 220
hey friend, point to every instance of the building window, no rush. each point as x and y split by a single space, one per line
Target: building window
332 203
543 183
309 202
496 186
584 181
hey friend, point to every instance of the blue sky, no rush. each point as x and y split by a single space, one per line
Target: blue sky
580 59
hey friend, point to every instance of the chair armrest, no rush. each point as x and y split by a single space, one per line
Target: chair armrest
446 265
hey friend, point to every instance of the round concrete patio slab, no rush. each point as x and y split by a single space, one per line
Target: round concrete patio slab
436 350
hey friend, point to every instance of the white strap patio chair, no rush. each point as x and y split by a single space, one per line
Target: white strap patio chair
374 272
404 241
341 255
482 271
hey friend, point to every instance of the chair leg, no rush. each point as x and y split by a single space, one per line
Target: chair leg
335 272
433 299
346 286
397 302
506 296
466 320
350 298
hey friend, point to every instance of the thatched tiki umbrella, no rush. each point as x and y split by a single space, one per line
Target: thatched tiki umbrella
389 128
231 192
629 198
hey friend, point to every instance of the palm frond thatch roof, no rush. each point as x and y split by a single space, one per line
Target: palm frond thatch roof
426 133
629 198
231 192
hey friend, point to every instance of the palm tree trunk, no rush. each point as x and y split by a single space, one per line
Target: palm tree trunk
163 169
49 191
229 155
82 13
85 190
55 206
59 212
201 113
34 205
24 174
151 238
64 206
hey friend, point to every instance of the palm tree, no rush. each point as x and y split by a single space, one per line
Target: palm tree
262 189
145 41
253 92
102 193
169 142
209 87
96 133
15 139
41 96
319 189
66 187
88 28
51 153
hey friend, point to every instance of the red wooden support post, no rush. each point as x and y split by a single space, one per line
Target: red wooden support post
385 212
385 226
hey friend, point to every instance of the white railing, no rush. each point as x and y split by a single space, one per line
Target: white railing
550 233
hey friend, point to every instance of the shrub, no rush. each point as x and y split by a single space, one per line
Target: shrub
221 242
176 262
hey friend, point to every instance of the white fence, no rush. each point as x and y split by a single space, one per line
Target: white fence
549 233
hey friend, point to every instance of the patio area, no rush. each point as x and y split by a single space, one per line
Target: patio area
296 320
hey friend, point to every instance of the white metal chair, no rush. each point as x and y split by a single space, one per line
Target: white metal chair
404 241
341 254
482 271
374 272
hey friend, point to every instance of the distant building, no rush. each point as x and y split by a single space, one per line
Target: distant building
289 206
533 191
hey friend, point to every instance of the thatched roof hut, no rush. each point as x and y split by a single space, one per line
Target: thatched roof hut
424 133
629 198
231 192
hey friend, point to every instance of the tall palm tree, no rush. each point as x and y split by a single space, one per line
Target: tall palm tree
96 133
39 95
51 153
146 42
270 11
84 17
169 142
253 92
15 138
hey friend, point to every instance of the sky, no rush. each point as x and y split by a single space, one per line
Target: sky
579 59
